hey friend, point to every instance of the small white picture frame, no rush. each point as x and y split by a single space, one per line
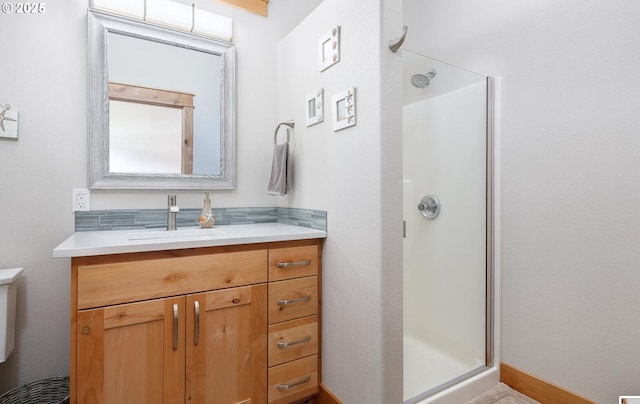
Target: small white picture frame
8 123
343 107
314 107
329 48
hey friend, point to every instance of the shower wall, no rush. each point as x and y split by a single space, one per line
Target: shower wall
444 259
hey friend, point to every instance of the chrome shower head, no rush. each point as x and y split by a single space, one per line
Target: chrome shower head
420 80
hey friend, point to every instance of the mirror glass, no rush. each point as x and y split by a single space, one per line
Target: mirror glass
162 107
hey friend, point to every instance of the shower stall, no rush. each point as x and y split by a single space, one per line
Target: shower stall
448 188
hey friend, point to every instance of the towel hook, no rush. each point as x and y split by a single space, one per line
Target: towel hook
290 124
395 44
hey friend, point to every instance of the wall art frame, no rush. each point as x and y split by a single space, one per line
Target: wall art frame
343 106
329 48
314 107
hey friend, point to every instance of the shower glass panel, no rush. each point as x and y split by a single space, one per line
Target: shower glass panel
445 165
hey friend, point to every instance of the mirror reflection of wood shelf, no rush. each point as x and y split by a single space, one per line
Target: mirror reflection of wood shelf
176 80
151 130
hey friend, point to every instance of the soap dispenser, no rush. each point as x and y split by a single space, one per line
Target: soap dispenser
206 218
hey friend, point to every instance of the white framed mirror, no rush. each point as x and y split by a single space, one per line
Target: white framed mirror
161 107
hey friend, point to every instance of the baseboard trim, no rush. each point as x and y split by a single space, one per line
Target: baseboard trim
538 389
325 396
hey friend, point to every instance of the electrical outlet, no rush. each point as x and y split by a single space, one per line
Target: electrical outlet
80 201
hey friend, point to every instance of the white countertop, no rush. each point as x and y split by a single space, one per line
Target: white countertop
85 243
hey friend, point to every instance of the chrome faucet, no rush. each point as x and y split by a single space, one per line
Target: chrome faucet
172 210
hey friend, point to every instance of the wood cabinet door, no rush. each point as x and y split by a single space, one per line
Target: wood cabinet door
226 341
132 353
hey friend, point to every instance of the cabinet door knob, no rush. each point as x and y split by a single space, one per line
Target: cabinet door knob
85 330
294 301
175 327
196 306
283 344
284 387
293 264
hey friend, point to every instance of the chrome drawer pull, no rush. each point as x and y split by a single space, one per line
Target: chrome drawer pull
293 264
175 327
281 344
196 305
294 301
284 387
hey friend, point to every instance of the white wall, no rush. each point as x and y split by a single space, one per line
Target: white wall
570 175
43 75
355 175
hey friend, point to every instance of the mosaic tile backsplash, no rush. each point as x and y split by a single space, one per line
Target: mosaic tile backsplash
125 219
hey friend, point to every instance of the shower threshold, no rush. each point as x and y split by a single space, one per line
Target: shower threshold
428 370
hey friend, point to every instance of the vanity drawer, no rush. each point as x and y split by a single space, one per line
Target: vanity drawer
293 262
294 380
293 340
122 282
293 299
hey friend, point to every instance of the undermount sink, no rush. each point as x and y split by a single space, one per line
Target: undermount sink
189 232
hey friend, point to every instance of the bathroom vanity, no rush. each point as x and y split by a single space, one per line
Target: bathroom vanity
228 317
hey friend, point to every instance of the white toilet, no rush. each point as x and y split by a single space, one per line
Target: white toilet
8 292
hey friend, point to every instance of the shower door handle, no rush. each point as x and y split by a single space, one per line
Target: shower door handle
429 207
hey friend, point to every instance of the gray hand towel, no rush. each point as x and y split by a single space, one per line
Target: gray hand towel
279 170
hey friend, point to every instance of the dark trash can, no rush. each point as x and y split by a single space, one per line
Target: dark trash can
53 390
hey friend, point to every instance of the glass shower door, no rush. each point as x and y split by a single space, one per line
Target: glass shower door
446 211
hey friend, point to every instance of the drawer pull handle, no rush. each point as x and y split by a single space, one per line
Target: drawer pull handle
294 301
196 306
282 344
175 327
284 387
293 264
